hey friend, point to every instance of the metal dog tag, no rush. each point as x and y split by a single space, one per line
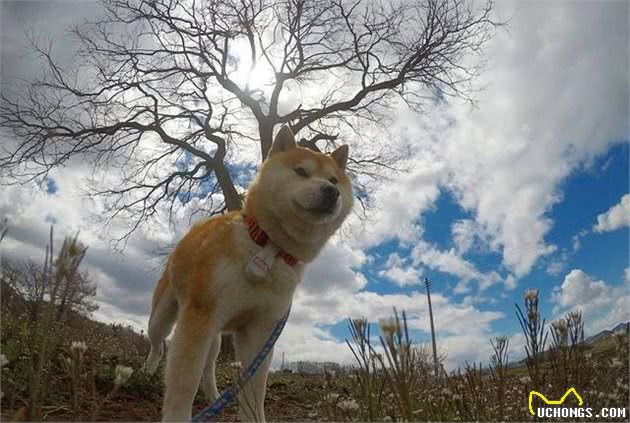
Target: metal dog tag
260 265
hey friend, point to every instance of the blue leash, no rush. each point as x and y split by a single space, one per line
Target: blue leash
230 393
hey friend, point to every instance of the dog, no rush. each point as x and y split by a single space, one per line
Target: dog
237 273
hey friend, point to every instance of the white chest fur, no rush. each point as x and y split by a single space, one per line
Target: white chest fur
238 291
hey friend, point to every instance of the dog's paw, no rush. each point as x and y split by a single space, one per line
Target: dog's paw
151 365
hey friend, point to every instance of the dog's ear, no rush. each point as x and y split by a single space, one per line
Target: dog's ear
341 156
284 141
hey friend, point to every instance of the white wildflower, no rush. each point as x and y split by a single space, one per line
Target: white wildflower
389 327
123 373
78 347
348 405
616 362
525 379
387 419
238 365
3 362
530 294
331 397
560 327
360 325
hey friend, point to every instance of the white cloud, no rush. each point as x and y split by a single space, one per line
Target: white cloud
510 282
533 125
333 270
579 288
402 275
547 109
400 271
616 217
451 262
576 239
603 305
558 263
399 202
465 233
456 323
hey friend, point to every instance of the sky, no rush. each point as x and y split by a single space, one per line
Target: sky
528 188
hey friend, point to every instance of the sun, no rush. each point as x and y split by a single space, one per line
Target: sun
258 77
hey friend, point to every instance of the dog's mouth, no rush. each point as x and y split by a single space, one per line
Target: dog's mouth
320 211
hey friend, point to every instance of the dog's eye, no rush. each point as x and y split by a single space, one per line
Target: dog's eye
300 171
333 180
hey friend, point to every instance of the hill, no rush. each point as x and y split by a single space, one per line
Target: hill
620 328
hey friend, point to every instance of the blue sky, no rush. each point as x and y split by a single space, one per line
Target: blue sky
588 192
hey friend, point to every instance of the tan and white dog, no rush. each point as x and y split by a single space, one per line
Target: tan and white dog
219 278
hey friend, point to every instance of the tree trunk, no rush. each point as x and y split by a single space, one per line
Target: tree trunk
230 194
265 129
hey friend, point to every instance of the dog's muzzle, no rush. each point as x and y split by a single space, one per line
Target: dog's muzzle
328 198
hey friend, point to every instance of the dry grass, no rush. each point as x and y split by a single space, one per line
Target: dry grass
87 370
469 394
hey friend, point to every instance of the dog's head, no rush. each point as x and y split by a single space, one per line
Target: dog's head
300 185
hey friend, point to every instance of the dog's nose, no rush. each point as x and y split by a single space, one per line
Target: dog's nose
330 192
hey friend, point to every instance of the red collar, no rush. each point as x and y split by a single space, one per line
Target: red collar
261 238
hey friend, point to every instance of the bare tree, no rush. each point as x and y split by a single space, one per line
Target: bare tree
77 295
4 228
23 278
169 92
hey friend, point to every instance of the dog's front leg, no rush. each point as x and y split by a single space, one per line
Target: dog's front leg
248 342
186 358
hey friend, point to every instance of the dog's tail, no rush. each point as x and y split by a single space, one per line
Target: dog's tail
161 322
